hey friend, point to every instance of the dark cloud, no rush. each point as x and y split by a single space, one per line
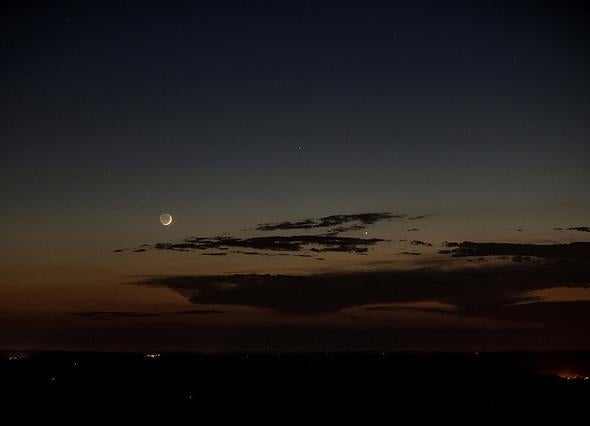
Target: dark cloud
413 229
351 222
580 228
394 308
420 243
106 315
328 241
485 290
577 250
310 243
201 312
411 253
480 259
252 253
574 228
340 229
521 259
418 217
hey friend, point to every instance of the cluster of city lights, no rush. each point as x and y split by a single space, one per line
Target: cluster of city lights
574 377
152 355
16 357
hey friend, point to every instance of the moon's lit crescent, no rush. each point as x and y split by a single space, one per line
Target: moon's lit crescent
165 219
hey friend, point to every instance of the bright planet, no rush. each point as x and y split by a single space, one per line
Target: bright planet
165 219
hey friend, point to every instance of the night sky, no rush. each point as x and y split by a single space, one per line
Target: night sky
342 175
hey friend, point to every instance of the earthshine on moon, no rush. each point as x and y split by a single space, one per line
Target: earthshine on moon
165 219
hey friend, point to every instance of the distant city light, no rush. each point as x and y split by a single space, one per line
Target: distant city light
574 377
152 355
16 357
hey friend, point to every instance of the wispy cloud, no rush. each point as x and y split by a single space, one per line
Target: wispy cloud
574 228
111 315
285 244
200 312
420 243
577 250
339 223
107 315
270 245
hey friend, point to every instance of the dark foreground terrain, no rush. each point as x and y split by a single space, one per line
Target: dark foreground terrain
473 381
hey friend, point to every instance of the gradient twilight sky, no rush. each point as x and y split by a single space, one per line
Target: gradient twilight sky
231 114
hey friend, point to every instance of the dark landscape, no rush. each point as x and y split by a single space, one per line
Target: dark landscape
511 381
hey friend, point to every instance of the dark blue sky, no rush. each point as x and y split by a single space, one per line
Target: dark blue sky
402 99
229 114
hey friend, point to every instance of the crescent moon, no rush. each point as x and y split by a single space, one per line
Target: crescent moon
165 219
